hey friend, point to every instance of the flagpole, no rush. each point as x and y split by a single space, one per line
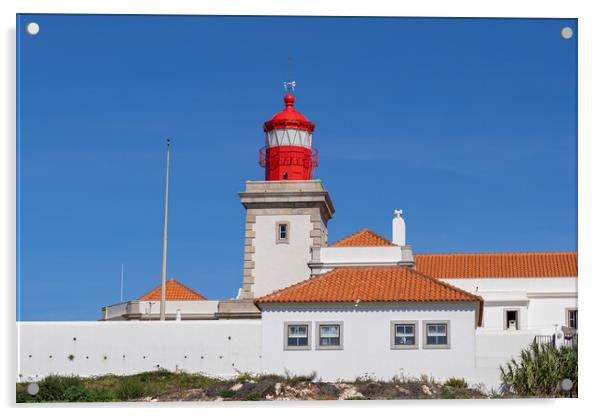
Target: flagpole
121 292
164 263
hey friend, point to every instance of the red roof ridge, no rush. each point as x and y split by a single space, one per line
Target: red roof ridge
449 285
477 253
323 276
499 265
362 238
301 283
175 290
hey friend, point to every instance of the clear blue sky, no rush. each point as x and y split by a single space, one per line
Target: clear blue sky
469 125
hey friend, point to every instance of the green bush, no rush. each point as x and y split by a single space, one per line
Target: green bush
253 397
226 393
63 389
540 370
129 388
111 387
458 383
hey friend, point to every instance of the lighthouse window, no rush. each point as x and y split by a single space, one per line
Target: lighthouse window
282 232
296 336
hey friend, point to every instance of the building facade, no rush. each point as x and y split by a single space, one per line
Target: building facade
364 306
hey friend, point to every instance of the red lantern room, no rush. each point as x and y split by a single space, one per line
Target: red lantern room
288 154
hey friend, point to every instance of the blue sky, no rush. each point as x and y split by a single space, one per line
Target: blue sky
469 125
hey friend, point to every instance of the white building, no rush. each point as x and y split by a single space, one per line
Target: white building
363 306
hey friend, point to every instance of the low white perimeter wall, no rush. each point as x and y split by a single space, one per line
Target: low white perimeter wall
495 349
219 348
367 341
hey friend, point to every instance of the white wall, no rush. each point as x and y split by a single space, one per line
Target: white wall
547 314
366 341
542 301
153 308
495 349
326 258
219 348
283 264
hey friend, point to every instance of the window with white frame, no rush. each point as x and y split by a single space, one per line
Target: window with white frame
571 318
296 336
436 334
282 232
404 334
329 335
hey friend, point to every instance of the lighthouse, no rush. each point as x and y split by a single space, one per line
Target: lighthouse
288 154
286 213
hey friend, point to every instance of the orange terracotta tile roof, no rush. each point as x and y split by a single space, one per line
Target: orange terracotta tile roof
520 264
370 284
174 290
363 238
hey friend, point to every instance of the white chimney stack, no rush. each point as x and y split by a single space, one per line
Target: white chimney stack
399 229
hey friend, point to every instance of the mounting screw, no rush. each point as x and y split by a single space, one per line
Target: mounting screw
33 28
566 32
33 389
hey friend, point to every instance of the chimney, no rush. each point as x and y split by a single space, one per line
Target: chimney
399 229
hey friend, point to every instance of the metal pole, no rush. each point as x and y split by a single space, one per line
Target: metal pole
164 265
121 292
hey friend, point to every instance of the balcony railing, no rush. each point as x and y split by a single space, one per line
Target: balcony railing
263 157
556 341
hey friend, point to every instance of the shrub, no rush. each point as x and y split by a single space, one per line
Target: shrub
63 389
426 379
458 383
252 397
129 388
456 393
540 371
226 393
59 389
291 378
364 379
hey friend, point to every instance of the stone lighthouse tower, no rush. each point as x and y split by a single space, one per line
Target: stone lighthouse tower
287 213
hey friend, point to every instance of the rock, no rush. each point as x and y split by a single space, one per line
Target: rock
426 390
404 391
327 389
236 387
300 392
379 391
277 388
264 387
219 399
350 392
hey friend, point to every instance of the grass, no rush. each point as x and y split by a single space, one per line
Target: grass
292 378
168 386
111 387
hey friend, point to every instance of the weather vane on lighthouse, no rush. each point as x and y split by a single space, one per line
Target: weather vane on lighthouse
289 86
